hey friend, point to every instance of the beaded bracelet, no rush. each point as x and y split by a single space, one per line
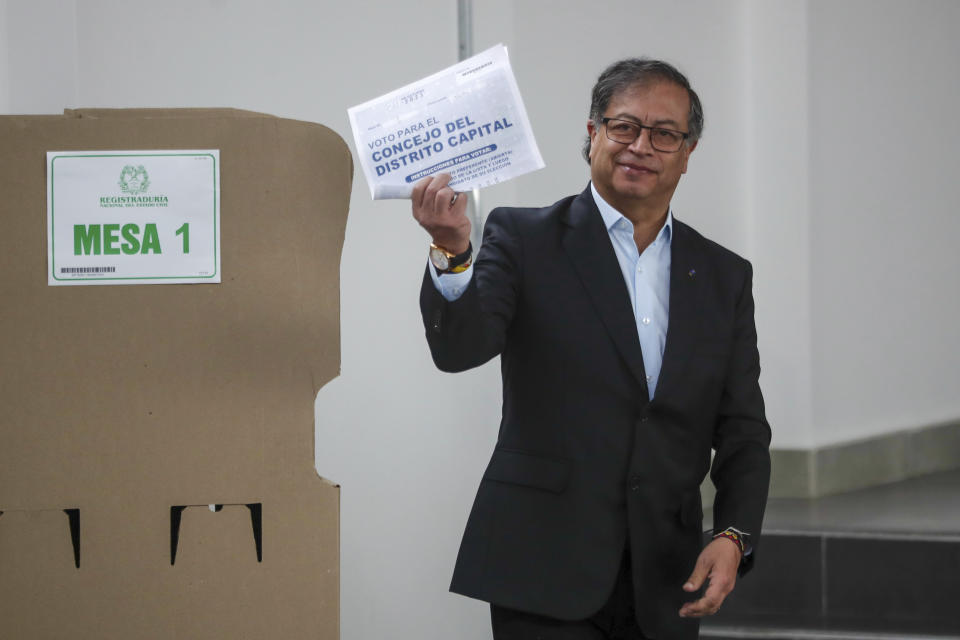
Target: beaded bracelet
732 534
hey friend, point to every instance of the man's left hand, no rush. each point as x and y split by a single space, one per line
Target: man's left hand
718 561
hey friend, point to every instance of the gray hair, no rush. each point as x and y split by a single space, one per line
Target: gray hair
624 74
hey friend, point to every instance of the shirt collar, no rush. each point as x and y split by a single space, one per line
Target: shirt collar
611 216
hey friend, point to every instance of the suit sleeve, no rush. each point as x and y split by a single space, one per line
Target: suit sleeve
741 465
470 330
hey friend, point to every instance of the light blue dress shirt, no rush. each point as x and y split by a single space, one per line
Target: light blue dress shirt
647 276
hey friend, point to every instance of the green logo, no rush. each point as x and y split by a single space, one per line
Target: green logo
134 180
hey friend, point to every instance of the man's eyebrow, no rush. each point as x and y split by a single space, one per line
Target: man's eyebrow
664 122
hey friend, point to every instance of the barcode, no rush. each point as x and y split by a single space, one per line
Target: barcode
88 269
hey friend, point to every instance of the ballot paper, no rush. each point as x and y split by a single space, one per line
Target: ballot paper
467 120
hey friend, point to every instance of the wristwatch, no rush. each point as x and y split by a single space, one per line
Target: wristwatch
446 262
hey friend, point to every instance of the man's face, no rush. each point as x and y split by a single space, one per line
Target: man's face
628 176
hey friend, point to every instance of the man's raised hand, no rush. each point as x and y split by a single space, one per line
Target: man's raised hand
442 212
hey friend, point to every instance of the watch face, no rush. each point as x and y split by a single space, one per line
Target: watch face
439 259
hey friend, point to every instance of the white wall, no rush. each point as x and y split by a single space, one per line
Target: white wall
856 308
4 66
748 63
775 139
41 42
884 134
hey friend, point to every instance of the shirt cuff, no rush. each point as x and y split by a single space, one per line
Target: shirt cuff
450 285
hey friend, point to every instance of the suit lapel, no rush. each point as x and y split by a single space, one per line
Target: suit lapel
686 273
588 246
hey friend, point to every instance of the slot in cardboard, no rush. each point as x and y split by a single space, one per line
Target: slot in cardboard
256 526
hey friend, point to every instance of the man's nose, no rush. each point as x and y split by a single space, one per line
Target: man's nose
642 143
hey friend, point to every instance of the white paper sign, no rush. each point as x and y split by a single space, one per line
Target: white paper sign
467 120
133 217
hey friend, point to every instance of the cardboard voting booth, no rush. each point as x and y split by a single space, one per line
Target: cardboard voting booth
156 441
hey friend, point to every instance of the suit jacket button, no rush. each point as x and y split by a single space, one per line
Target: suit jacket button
635 483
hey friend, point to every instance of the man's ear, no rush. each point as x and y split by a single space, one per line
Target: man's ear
592 132
686 154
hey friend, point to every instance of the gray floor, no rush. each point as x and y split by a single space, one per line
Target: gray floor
924 506
927 506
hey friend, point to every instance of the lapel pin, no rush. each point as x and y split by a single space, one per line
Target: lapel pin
692 272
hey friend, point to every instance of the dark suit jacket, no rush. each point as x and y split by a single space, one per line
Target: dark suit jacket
583 458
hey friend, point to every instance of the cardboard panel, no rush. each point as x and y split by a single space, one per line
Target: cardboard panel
30 539
126 401
38 571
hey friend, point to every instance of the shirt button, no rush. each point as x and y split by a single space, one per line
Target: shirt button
645 321
649 378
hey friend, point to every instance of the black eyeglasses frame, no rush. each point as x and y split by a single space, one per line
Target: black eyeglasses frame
683 134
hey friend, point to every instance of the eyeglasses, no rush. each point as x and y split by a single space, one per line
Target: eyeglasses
626 131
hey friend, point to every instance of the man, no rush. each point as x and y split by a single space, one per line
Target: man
628 352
